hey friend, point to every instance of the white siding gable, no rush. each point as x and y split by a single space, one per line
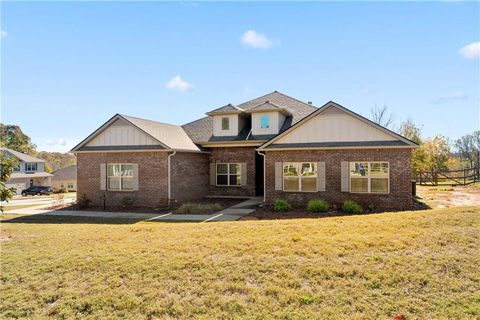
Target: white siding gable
276 120
122 133
235 125
334 125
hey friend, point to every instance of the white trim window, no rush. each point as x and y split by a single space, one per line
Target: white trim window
225 123
265 121
228 174
370 177
300 176
30 167
120 176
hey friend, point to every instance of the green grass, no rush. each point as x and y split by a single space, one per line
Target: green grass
423 265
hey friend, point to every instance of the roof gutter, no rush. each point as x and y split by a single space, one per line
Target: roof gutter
169 176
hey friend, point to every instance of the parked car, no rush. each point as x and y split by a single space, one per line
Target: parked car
37 190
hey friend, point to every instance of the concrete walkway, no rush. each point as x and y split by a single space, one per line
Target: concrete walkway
230 214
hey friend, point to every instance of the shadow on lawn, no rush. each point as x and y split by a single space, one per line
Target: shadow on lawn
52 219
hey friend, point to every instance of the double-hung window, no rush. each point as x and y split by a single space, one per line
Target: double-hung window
228 174
300 176
120 176
225 123
30 166
369 177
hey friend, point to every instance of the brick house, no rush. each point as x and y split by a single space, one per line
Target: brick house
273 146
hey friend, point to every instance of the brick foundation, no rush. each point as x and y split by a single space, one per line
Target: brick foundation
400 196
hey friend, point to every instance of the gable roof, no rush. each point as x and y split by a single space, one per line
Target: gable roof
201 130
402 141
228 109
21 156
269 106
169 136
66 173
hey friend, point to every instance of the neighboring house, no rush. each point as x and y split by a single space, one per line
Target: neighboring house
29 171
273 146
65 179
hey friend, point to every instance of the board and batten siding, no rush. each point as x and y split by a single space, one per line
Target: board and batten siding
334 127
121 133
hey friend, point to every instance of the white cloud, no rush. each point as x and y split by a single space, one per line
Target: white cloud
367 91
3 34
471 51
176 83
256 40
450 97
57 142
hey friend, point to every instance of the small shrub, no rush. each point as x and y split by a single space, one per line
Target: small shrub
199 208
371 207
127 202
84 202
350 206
281 205
317 205
59 199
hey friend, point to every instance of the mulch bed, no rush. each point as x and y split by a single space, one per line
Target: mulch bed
223 202
267 213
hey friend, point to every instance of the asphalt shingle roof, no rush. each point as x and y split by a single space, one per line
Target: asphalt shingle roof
21 156
170 135
201 130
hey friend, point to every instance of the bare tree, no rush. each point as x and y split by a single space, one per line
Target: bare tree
409 130
382 116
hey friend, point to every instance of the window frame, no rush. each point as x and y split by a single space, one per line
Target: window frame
227 121
28 166
368 177
300 176
265 116
120 178
228 174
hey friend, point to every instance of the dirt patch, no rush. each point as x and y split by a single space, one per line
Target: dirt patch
4 237
440 197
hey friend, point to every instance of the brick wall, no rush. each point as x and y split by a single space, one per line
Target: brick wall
152 177
400 176
240 154
190 176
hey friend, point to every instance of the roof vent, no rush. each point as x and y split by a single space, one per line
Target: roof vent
310 102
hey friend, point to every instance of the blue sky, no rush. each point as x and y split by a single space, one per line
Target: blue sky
68 67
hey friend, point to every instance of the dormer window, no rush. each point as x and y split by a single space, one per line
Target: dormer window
225 123
265 121
30 167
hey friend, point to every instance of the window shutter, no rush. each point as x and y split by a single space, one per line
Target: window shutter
345 176
320 176
103 176
243 173
278 176
213 174
135 176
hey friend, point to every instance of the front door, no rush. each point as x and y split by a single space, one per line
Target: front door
259 175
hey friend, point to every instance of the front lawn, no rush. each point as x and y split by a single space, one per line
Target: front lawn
422 264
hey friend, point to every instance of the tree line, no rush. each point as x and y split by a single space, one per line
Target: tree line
14 138
437 153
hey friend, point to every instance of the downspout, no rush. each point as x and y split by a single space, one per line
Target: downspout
169 177
264 175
